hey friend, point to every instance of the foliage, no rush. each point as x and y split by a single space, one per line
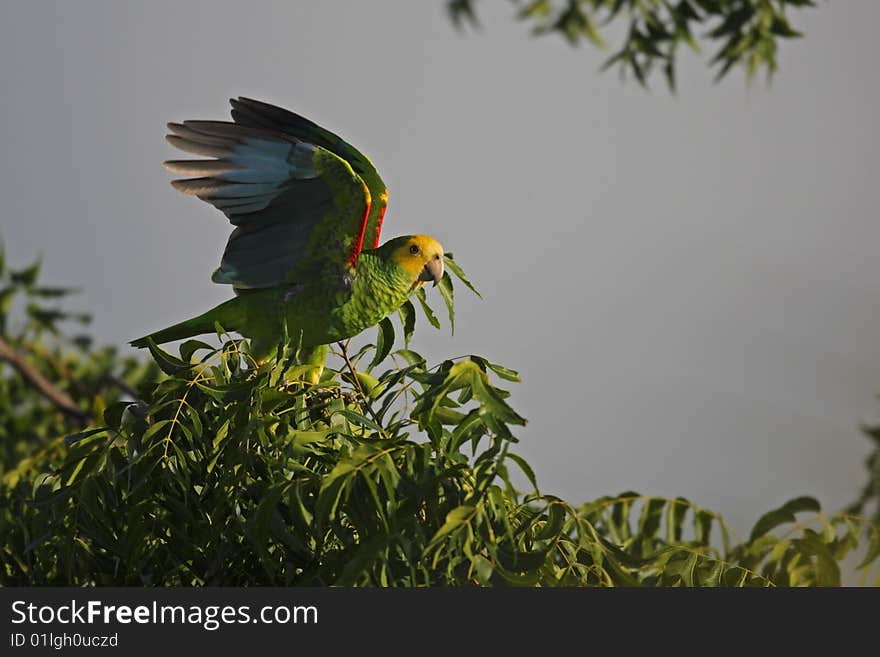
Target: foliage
81 380
745 32
390 472
870 494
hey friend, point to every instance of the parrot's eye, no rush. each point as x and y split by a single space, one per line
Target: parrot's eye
414 249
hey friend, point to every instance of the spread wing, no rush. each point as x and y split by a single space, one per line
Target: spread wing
300 209
257 114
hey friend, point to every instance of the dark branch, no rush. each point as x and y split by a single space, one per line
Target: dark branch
60 399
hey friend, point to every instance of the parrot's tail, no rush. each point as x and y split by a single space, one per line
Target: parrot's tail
227 314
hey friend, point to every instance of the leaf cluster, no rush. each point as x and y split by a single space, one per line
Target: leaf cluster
35 343
389 472
868 501
744 33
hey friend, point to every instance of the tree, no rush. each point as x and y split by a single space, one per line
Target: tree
201 468
51 384
870 493
745 33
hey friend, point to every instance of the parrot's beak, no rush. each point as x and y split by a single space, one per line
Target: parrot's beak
432 271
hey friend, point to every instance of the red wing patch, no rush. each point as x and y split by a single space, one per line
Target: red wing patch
359 245
379 226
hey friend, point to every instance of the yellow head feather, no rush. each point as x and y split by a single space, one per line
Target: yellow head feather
414 253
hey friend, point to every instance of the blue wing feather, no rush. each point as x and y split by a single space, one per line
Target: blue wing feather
296 206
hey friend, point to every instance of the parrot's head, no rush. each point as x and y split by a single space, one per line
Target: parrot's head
420 256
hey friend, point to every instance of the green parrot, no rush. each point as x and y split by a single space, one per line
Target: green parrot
307 208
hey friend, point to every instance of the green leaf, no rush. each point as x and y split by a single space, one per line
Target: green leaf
411 357
535 9
166 362
53 292
688 568
452 266
593 34
651 517
6 296
448 416
432 318
525 467
26 277
358 419
301 438
826 570
155 428
517 579
408 318
189 347
505 372
372 387
676 511
462 12
555 521
459 516
384 342
780 27
362 560
522 561
873 551
231 392
782 515
702 526
265 510
446 291
713 576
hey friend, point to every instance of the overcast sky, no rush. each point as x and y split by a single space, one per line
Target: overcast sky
687 284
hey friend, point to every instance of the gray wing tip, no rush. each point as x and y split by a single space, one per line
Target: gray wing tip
233 131
200 146
174 166
191 186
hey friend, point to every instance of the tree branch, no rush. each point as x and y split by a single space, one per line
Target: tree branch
60 399
111 380
366 400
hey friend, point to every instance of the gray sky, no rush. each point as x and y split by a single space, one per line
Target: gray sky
688 284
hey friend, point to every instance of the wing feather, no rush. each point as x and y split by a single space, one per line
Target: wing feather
197 147
263 116
300 209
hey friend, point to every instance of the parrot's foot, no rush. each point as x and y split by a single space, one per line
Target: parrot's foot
312 375
314 357
307 368
309 378
310 368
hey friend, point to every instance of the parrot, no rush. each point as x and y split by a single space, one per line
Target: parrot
307 209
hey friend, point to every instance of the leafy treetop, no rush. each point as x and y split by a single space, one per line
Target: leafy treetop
744 33
202 468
